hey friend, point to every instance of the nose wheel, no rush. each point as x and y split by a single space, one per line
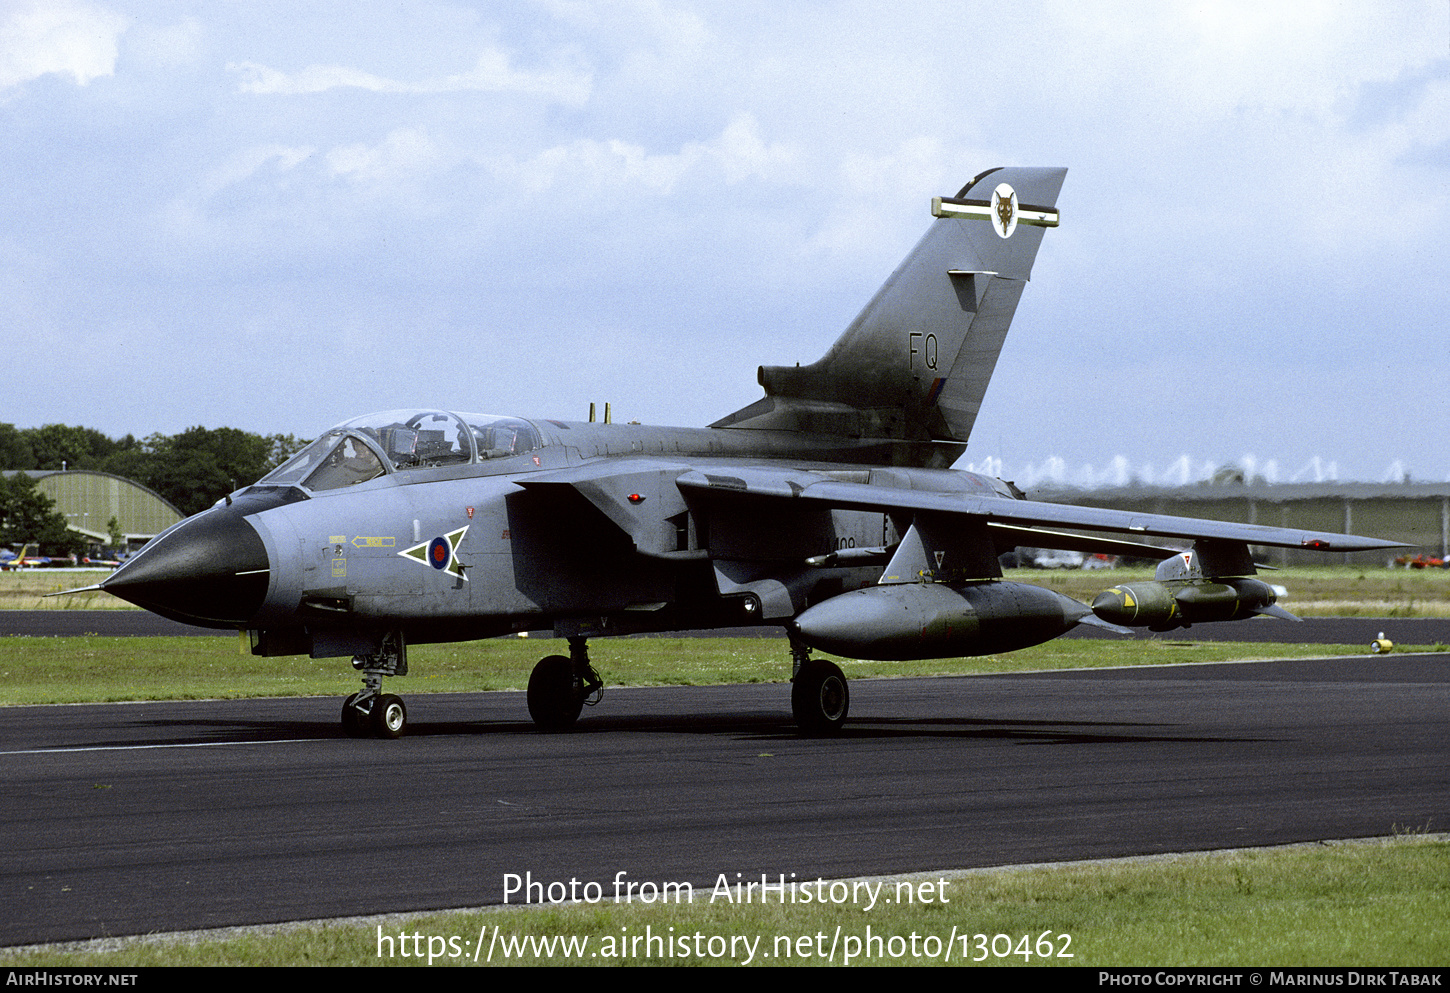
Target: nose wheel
371 713
379 715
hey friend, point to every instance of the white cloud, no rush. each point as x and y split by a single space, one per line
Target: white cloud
246 163
743 154
54 36
668 24
167 47
404 154
736 155
1175 64
492 73
865 213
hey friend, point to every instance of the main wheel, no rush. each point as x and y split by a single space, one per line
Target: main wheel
389 716
554 697
819 698
354 722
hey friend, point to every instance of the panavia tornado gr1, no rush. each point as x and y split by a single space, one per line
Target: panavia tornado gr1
827 508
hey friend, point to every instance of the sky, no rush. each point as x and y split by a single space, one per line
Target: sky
278 216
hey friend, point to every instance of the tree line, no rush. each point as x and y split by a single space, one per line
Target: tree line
193 469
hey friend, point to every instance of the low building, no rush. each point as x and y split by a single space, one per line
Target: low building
91 500
1417 514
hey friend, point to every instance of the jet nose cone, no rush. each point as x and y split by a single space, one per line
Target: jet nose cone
210 570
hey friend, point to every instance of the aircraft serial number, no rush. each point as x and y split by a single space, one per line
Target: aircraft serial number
926 348
1003 946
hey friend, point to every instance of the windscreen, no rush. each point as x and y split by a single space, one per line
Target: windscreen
402 440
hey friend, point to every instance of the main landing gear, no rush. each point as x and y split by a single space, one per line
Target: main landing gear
371 713
560 686
819 696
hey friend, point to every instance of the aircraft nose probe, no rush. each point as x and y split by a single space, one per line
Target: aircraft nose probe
210 570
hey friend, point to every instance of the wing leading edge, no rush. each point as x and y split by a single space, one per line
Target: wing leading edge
773 484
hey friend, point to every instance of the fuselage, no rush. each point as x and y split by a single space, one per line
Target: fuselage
458 526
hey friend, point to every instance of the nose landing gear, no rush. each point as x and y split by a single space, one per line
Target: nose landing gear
371 713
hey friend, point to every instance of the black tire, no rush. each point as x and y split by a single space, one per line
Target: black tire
389 716
354 722
820 698
554 697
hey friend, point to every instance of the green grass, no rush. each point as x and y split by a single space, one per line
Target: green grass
26 589
1339 904
96 669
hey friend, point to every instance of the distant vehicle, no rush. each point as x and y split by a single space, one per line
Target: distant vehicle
1049 558
1421 561
11 561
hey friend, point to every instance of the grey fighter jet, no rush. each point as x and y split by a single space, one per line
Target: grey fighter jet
827 508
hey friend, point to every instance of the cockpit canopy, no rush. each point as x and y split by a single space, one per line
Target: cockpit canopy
399 440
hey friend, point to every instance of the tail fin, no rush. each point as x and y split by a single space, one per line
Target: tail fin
914 365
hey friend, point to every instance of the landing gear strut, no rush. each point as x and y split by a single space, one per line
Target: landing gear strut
371 713
560 686
819 696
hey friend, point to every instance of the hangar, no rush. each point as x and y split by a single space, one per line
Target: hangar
90 500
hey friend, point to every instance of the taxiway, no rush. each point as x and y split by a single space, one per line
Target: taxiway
131 818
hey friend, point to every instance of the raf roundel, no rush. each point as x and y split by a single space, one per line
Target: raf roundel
440 553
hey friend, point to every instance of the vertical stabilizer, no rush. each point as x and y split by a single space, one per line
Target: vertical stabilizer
914 365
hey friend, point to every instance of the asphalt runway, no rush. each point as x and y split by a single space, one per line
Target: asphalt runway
132 818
